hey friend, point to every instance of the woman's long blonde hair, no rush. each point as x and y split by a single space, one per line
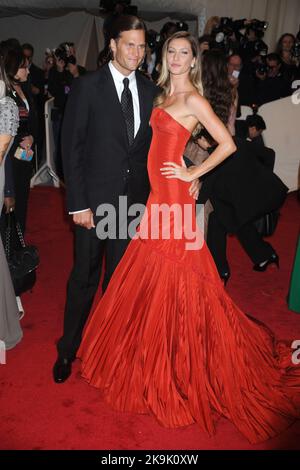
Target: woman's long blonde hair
164 81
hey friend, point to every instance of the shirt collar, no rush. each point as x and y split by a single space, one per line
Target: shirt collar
118 76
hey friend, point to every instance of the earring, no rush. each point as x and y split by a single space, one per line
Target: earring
192 66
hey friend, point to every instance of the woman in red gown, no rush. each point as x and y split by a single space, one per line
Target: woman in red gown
166 338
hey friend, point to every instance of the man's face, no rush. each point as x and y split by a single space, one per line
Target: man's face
28 54
274 68
234 63
128 50
253 132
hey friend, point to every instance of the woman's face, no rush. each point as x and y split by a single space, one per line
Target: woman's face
23 72
287 43
179 56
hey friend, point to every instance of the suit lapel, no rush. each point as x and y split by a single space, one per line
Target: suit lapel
145 103
111 101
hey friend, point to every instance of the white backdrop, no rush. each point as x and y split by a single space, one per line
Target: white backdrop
282 134
84 29
283 15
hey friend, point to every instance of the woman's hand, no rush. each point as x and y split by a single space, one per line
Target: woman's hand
195 188
26 142
173 170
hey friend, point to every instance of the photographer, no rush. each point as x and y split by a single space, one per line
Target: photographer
166 31
61 76
255 127
152 41
36 82
288 49
252 45
226 35
270 83
241 80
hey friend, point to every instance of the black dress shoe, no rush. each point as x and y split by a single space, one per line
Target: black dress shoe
62 370
274 259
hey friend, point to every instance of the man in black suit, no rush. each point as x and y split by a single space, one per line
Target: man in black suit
256 125
105 141
105 149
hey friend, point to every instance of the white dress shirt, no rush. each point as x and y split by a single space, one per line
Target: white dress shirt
118 78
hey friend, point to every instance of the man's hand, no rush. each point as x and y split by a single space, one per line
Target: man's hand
9 203
84 219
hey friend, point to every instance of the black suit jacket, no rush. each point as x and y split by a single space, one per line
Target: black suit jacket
241 189
99 165
265 155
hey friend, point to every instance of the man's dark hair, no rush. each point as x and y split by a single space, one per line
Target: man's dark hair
125 23
167 27
234 54
274 56
29 47
255 120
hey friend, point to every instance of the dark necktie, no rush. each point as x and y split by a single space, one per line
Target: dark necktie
127 108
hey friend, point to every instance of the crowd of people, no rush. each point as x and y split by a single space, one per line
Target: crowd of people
190 90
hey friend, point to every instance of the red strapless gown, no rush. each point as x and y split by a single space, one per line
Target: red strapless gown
166 338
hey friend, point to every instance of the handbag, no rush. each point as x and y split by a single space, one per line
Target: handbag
22 261
266 225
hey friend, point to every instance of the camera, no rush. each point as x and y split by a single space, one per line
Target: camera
251 49
221 36
260 48
153 39
261 68
259 27
49 56
63 53
182 26
296 50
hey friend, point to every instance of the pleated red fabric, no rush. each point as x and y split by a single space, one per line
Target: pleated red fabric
167 340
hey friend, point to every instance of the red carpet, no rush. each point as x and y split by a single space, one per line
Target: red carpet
36 413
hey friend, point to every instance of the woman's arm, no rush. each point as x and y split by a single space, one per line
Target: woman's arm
201 109
4 143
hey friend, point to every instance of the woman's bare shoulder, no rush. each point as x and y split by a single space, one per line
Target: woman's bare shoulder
195 101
